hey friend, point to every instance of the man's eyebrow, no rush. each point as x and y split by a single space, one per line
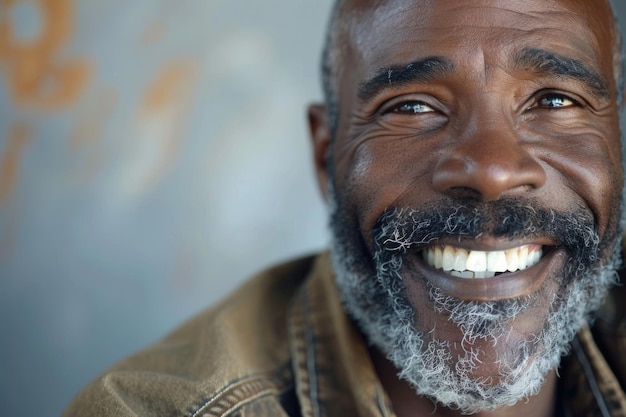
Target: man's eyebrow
555 65
416 72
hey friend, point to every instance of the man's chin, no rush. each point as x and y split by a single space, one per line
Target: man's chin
477 355
481 363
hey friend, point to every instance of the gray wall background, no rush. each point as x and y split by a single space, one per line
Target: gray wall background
154 158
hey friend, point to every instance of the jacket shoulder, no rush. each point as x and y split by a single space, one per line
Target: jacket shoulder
217 362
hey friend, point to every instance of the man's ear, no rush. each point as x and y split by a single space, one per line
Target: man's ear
319 130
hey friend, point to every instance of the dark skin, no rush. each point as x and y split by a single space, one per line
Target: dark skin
486 121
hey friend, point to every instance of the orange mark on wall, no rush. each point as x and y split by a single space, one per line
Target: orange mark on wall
163 110
9 165
35 72
169 87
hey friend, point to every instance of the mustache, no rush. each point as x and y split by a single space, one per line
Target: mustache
399 230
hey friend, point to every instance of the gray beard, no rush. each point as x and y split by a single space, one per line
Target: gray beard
375 298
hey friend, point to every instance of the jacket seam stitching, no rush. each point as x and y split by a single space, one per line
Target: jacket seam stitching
311 359
242 391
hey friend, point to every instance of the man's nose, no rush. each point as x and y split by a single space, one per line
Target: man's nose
487 165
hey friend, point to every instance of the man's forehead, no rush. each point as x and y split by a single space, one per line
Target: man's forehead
386 30
579 5
597 14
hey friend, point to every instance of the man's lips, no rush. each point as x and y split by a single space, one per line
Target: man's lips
490 268
471 264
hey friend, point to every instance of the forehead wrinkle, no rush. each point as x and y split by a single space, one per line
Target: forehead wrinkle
392 14
477 19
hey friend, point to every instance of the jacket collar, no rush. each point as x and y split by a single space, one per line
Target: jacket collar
333 371
588 386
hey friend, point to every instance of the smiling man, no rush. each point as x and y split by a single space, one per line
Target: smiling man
470 154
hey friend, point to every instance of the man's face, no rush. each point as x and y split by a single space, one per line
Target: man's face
476 180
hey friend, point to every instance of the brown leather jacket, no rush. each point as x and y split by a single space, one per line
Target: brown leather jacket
282 346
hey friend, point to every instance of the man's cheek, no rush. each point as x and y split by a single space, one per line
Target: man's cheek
586 176
388 174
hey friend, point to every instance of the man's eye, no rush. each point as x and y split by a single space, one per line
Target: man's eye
412 107
555 101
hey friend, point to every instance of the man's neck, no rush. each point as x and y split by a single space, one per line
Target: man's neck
406 403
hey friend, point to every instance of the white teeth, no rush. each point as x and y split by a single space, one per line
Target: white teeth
484 274
466 264
429 256
522 257
496 261
467 274
448 258
476 261
460 261
512 261
438 263
536 257
464 274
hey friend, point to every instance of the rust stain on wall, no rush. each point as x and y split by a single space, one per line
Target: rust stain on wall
35 71
166 102
9 164
169 88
